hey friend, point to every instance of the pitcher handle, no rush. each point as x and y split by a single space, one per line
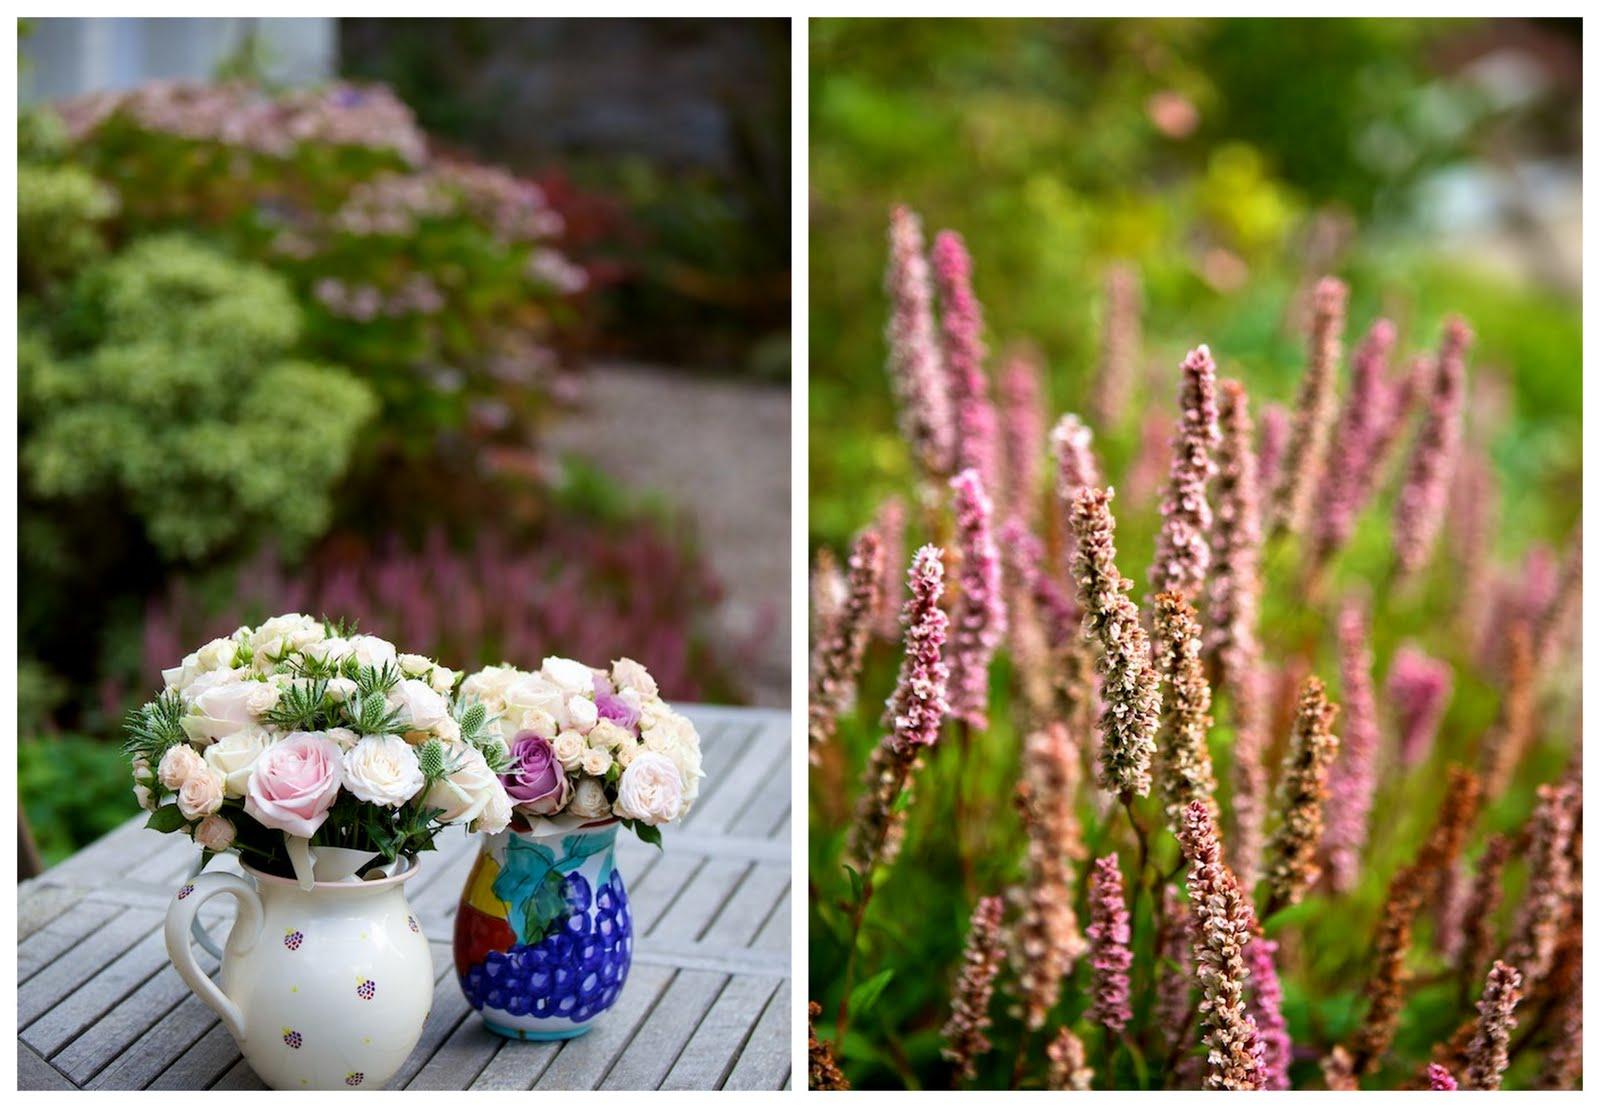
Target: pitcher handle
246 930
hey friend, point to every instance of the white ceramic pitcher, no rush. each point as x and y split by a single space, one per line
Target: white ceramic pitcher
322 988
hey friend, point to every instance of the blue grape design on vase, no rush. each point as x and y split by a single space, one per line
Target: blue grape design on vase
544 936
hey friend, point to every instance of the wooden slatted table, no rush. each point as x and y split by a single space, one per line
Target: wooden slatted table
708 1003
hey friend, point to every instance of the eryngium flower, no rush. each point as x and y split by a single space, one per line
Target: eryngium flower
1488 1052
1183 553
1354 775
1185 759
1110 932
926 418
1551 881
1350 460
966 1031
1022 432
1222 923
1305 455
1129 687
961 333
1439 1079
836 658
1266 1008
825 1073
1069 1063
1292 851
1419 688
918 706
980 613
1419 506
1119 344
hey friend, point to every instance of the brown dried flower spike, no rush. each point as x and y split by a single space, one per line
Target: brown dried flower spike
1292 852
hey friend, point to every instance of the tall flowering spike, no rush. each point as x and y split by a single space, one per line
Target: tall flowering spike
1185 759
1350 460
1266 1008
1385 990
926 416
1419 507
1353 777
1129 687
828 592
1551 881
966 1031
1119 344
1147 473
1072 447
1110 933
1069 1063
1022 431
1479 934
1024 557
1292 851
890 525
1507 741
1031 664
1556 620
1222 923
1046 942
1305 455
824 1073
980 613
918 706
1448 837
1183 548
1488 1053
836 659
1473 523
1275 427
1439 1078
1419 688
1176 956
961 334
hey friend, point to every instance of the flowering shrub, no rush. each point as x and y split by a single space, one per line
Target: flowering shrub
1242 858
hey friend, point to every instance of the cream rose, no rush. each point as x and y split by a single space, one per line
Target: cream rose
414 665
178 764
608 736
343 736
221 710
533 693
215 833
201 794
495 815
280 636
596 762
382 769
589 799
568 675
442 679
629 674
582 713
489 685
569 748
650 790
462 796
421 707
233 756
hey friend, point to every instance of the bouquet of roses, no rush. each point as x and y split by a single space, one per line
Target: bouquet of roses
299 734
585 745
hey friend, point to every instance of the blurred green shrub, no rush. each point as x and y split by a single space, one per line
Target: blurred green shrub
73 790
60 210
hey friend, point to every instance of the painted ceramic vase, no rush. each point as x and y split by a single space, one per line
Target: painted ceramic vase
543 936
322 988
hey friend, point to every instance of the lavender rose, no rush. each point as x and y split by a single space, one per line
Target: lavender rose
536 784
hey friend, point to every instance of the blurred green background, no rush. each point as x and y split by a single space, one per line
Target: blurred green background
1433 165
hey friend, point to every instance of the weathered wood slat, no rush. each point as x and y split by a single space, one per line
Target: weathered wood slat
240 1077
653 895
699 902
656 1045
200 1065
764 1063
717 1042
33 1072
775 932
120 1028
94 997
68 972
41 948
769 806
449 1006
151 1053
584 1062
461 1057
39 905
748 909
734 785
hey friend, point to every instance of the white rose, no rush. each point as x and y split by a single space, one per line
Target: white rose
448 729
650 790
179 676
341 689
442 680
675 737
281 635
582 712
372 651
517 720
219 712
178 764
217 654
625 752
463 795
382 769
629 674
414 665
201 793
589 799
489 685
419 705
495 815
569 748
535 693
596 762
200 683
215 833
145 797
608 736
233 755
343 736
568 675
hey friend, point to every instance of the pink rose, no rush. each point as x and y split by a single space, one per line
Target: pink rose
294 783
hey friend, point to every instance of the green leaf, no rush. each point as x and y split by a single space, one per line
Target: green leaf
647 833
166 819
856 883
866 994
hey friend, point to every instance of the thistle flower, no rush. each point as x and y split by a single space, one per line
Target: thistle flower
1439 1079
918 706
1128 722
825 1074
1507 741
1488 1053
1419 507
961 335
1354 775
1305 454
1551 882
1275 428
1022 431
1183 553
1266 1008
1110 931
926 417
1222 924
966 1031
1479 937
980 613
1069 1063
836 658
1293 847
1046 942
1385 989
890 524
1185 759
1346 488
1119 344
1419 688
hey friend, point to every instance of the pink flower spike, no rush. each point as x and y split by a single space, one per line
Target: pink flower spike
917 708
1183 551
1110 932
1353 777
1439 1079
1419 688
1419 507
980 613
915 370
1022 432
961 331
